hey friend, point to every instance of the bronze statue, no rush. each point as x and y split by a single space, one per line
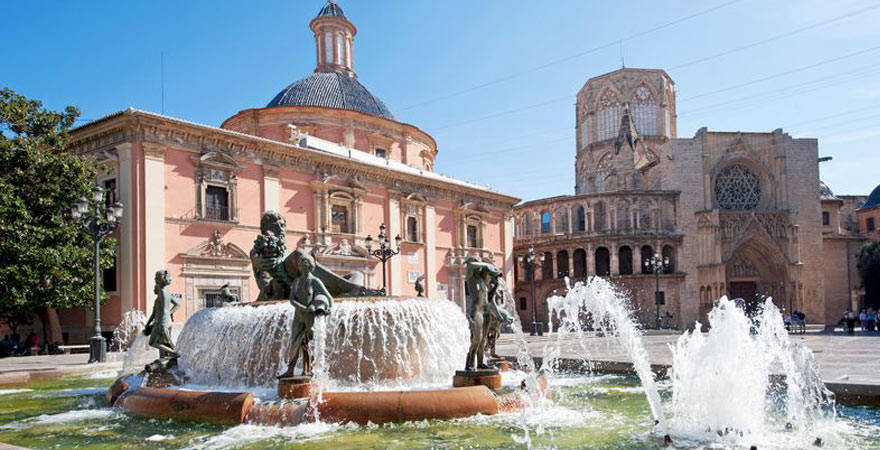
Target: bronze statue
227 296
275 268
420 287
309 298
158 326
497 316
481 283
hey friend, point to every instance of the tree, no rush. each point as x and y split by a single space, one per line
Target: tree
868 263
45 257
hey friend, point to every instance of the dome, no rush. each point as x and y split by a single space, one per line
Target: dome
873 200
331 9
825 192
332 90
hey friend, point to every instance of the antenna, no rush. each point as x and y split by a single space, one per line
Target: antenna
162 63
620 47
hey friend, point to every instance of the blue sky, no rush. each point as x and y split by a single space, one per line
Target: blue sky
493 81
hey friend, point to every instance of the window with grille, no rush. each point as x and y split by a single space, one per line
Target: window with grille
412 229
644 111
608 116
339 219
216 203
737 188
472 236
826 218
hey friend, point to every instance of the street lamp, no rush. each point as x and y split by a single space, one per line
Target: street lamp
531 262
384 252
657 263
99 220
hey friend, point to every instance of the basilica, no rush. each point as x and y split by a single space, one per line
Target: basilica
679 222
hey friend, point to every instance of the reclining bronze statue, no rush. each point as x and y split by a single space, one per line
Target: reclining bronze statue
275 267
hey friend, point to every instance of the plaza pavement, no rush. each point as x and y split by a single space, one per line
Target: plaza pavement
21 370
849 364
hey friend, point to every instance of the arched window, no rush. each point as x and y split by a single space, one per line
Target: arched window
669 255
562 221
625 260
580 263
645 221
562 264
527 224
608 116
545 222
603 262
581 218
599 211
647 253
547 267
738 188
644 111
623 215
412 229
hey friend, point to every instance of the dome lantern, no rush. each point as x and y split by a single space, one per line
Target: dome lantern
334 40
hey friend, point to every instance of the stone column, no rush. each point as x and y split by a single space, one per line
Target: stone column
591 260
615 264
430 252
126 228
154 213
271 189
509 258
395 265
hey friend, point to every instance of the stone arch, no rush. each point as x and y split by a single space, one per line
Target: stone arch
669 255
644 109
647 252
561 221
603 262
580 263
624 260
757 267
580 218
546 222
599 216
562 264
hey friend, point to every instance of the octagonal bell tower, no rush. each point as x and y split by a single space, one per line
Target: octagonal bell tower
334 40
622 118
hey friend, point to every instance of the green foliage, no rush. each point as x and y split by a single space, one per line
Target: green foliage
46 258
868 263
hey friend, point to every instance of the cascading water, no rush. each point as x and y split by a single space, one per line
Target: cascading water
128 329
723 381
597 304
383 343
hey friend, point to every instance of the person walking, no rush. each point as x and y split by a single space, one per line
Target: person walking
863 319
849 321
871 319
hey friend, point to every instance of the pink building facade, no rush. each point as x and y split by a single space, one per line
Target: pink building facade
325 153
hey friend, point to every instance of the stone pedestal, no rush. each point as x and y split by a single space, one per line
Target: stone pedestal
294 387
490 378
500 363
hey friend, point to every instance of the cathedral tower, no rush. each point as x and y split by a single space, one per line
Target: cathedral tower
622 118
334 40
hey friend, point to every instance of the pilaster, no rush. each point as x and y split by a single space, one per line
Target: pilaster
154 212
430 252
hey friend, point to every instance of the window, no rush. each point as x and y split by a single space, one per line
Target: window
869 224
581 218
644 111
340 49
737 188
472 232
669 255
339 219
523 303
213 300
382 153
608 116
412 229
328 48
108 277
545 222
216 203
826 218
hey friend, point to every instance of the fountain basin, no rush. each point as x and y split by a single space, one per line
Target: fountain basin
377 407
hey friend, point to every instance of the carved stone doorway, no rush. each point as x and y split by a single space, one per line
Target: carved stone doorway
746 290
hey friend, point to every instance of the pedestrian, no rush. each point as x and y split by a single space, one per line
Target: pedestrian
849 321
872 319
863 320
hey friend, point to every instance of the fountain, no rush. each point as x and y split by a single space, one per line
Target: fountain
374 360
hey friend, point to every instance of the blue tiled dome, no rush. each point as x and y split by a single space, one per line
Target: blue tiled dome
331 9
873 200
332 90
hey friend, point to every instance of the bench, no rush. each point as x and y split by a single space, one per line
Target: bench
68 349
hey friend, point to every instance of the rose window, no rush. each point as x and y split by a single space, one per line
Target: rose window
737 187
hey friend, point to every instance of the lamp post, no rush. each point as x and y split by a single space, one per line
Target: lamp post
530 262
99 220
384 252
657 263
